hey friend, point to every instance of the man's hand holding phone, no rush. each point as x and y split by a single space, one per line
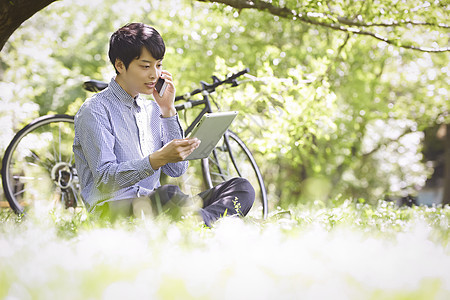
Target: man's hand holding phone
161 86
164 94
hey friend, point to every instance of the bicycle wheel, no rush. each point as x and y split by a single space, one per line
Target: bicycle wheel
231 158
38 166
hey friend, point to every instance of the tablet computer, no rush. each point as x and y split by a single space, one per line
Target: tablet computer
209 131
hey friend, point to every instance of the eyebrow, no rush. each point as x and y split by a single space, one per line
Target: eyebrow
149 61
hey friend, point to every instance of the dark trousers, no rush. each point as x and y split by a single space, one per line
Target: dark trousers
232 197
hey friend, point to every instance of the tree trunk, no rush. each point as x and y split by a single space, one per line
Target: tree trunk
446 198
14 12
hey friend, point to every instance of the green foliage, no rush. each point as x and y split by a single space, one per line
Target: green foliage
314 110
384 218
395 22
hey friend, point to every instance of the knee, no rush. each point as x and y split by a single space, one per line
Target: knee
243 183
245 187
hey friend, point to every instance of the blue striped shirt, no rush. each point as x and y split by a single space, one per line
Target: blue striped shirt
114 135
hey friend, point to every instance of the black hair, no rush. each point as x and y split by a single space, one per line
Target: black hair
127 42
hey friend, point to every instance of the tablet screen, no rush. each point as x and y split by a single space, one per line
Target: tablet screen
209 131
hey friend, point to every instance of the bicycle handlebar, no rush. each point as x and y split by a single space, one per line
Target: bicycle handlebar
212 87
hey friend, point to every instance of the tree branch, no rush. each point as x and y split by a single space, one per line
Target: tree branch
349 22
13 13
341 25
387 142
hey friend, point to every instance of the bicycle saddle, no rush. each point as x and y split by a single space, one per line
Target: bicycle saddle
94 85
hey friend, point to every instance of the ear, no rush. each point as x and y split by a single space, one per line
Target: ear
120 66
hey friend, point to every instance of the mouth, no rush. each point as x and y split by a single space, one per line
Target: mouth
150 85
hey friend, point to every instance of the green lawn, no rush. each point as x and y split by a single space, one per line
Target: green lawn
348 251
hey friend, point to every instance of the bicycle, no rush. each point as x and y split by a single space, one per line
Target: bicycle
38 164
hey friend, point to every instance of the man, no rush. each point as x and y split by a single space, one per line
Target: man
123 142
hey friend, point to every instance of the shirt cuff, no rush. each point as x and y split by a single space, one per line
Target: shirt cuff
145 168
172 128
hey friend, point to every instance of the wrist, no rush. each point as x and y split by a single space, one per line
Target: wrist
168 112
156 161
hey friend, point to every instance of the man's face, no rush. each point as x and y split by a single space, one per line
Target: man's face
141 75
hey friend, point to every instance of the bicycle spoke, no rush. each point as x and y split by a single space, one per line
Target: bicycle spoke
43 164
19 193
59 136
18 177
33 164
71 159
233 160
55 153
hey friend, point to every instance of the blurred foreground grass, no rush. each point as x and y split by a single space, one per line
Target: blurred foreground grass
348 251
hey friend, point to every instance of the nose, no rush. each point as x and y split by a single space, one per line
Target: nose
153 74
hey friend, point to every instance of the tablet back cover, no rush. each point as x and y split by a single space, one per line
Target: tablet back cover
209 131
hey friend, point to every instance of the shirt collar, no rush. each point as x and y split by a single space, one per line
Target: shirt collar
121 94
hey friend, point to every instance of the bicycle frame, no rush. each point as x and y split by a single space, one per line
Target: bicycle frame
192 103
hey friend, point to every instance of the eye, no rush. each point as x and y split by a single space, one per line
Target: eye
159 66
146 67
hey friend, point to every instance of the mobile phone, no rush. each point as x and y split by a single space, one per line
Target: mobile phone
161 86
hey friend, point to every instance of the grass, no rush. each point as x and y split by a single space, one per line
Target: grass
348 251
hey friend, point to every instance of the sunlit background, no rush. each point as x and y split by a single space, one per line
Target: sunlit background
336 121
